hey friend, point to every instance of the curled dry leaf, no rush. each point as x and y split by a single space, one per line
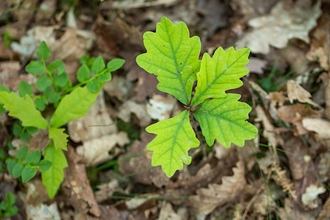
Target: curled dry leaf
281 25
292 211
296 92
207 199
320 126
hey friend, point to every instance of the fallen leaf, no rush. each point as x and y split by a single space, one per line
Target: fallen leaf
160 107
207 199
292 211
296 92
320 126
256 65
118 87
167 212
139 111
281 25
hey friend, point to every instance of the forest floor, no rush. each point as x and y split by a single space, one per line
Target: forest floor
284 173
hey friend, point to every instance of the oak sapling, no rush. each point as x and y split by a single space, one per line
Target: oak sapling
173 56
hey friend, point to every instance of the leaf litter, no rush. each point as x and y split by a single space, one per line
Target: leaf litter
110 173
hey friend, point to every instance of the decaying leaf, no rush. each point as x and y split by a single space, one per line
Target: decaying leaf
296 92
207 199
281 25
139 110
320 126
160 107
167 212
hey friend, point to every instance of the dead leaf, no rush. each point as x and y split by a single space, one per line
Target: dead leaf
118 87
96 151
106 190
296 92
325 213
269 129
139 111
167 212
292 211
256 65
320 126
281 25
207 199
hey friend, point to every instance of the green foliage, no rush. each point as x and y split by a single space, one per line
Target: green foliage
26 164
70 102
173 57
7 206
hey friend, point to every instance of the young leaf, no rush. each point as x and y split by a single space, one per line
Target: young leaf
173 57
25 88
94 85
73 106
225 120
17 170
41 103
28 173
175 137
98 65
59 138
53 177
220 73
56 65
33 157
44 165
22 153
115 64
83 73
23 109
43 51
35 67
105 76
10 164
61 80
43 82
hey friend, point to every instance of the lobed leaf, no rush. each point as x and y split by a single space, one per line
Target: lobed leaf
53 177
73 106
225 120
59 138
175 137
23 109
173 57
220 73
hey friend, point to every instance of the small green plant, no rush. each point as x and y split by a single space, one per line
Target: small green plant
173 56
8 207
70 102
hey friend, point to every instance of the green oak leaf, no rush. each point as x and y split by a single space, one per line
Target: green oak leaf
59 138
24 109
173 57
54 175
73 106
175 137
220 73
225 120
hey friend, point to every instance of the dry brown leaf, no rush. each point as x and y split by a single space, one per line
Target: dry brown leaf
325 213
296 92
269 129
207 199
292 211
276 98
118 87
139 111
281 25
320 46
256 65
106 190
320 126
167 212
96 151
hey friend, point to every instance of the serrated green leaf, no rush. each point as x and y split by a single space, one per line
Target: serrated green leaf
35 68
83 73
17 170
44 165
173 57
33 157
53 177
43 82
56 65
225 120
28 173
43 51
73 106
23 108
59 138
22 153
98 65
115 64
25 88
220 73
175 137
